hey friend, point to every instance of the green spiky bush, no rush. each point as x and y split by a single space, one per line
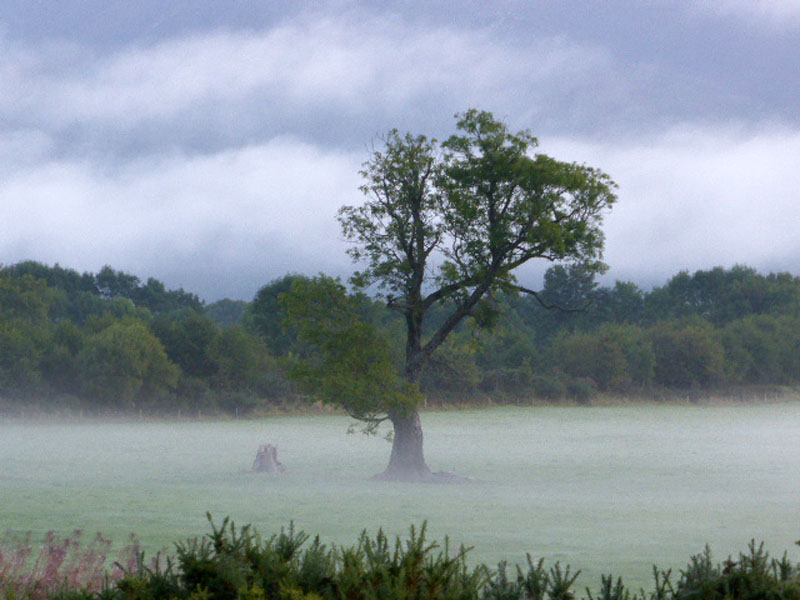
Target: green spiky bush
235 563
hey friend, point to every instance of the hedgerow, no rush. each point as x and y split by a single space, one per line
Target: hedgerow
236 563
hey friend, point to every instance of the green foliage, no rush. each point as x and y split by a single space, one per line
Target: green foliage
505 207
623 303
482 206
57 365
535 584
345 361
154 296
581 389
452 369
550 387
754 576
244 369
266 316
187 338
711 329
20 360
687 354
24 298
595 357
79 339
68 280
78 296
125 364
142 582
226 312
233 563
506 352
762 349
613 357
569 293
721 295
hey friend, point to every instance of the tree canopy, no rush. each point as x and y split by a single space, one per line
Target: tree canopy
344 360
451 222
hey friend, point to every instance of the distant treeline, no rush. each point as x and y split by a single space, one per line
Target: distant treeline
110 342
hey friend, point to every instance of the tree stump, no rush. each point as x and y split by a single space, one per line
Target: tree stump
267 460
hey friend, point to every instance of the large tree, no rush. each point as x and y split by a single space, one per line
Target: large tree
449 223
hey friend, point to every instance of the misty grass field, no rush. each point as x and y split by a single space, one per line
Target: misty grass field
605 489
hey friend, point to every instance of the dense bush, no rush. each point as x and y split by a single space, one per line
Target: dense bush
233 563
550 387
126 365
593 356
763 349
687 355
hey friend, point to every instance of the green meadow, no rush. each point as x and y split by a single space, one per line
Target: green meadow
605 489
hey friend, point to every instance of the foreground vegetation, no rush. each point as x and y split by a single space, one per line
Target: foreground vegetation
236 563
108 342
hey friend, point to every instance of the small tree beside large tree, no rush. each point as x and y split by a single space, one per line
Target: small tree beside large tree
443 223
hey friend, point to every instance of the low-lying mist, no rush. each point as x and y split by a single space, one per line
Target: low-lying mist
604 489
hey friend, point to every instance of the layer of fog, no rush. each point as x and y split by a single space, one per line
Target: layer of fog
605 489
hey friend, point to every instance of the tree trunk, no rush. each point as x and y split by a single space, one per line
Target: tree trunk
407 462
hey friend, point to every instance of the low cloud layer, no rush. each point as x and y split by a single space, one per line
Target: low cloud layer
214 156
219 224
227 223
692 198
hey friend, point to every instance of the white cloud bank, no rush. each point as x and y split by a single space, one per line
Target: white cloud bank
220 224
225 224
696 197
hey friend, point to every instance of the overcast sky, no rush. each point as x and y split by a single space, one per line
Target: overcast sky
209 144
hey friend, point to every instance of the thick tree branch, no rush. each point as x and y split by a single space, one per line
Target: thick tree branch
538 297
